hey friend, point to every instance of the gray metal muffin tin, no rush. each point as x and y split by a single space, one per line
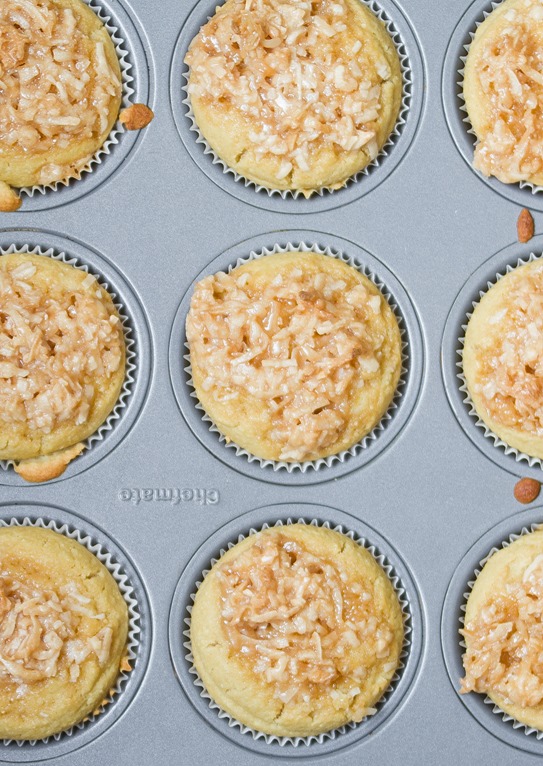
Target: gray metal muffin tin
430 492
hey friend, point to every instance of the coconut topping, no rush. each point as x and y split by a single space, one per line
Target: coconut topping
54 348
297 619
39 632
505 642
510 73
56 84
303 345
298 71
509 373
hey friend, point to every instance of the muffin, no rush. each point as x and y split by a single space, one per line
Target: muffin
295 356
503 91
503 355
61 89
62 362
503 631
292 95
63 632
296 631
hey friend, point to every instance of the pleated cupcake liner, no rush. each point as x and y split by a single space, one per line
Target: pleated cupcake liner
468 402
485 13
134 618
407 83
368 439
400 591
118 129
528 730
130 345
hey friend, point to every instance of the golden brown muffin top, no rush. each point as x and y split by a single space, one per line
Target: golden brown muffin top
509 72
57 84
301 342
298 71
54 344
296 618
509 358
505 640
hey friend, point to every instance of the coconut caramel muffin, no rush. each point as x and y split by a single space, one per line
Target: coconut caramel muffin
503 90
295 356
502 358
61 89
295 95
503 631
63 632
296 630
62 362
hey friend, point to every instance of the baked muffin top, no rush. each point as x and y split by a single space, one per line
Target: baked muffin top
294 356
62 355
503 88
503 630
503 355
297 94
63 630
61 89
299 620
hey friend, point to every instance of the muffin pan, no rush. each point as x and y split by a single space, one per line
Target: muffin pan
163 494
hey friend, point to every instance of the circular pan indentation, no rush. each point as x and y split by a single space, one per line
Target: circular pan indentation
366 180
391 424
254 521
478 283
137 88
481 707
455 110
141 627
138 343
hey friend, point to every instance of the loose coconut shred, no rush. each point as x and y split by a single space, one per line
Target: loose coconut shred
56 85
297 619
301 345
297 71
505 642
52 350
509 372
510 72
39 632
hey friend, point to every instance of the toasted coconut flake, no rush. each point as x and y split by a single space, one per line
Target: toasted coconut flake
296 620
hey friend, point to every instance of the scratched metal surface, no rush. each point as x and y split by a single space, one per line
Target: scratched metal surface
159 219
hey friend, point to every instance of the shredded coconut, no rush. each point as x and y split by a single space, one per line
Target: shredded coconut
302 345
505 642
295 69
509 372
297 619
510 73
56 85
39 632
52 351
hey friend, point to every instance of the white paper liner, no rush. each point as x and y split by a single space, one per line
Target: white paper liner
314 738
130 350
485 13
134 617
407 83
488 433
127 91
366 441
487 701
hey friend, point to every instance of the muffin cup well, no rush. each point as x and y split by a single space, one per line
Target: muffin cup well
400 591
126 95
366 441
134 619
488 433
131 360
407 82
